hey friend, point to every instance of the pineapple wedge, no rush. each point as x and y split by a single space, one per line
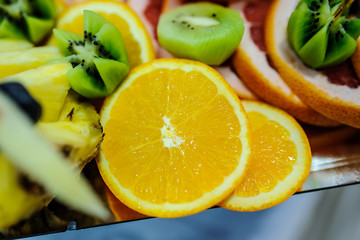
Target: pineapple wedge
49 86
7 44
13 62
77 133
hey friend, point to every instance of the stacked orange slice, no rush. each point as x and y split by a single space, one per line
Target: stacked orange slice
280 163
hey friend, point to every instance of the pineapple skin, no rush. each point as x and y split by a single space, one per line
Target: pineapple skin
77 133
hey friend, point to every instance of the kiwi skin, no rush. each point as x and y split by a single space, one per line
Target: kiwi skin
99 58
205 32
319 39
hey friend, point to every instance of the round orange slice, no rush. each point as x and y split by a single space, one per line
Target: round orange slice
252 63
281 159
334 92
225 69
176 139
136 37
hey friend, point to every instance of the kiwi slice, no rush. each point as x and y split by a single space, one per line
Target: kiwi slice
27 19
99 58
320 33
202 31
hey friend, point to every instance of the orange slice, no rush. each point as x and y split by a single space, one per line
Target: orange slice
251 62
280 163
120 210
176 139
225 70
334 92
136 37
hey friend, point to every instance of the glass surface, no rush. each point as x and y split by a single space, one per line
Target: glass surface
336 162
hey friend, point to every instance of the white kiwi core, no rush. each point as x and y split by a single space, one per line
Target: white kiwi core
195 21
87 52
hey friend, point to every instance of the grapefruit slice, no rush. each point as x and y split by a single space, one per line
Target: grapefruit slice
334 92
252 63
149 13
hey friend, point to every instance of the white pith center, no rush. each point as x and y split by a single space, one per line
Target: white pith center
199 21
168 135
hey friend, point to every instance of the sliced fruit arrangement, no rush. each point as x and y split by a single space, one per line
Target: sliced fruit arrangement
13 62
173 158
334 92
27 19
178 32
99 58
177 138
252 63
281 159
136 38
22 195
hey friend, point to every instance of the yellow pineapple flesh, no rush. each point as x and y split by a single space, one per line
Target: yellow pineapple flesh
48 84
77 133
13 62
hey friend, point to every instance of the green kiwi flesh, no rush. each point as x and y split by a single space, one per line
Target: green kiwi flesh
204 32
99 58
27 19
318 37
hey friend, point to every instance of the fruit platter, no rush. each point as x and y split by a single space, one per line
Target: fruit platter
115 110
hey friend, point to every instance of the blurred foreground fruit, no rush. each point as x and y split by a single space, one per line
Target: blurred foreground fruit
77 133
